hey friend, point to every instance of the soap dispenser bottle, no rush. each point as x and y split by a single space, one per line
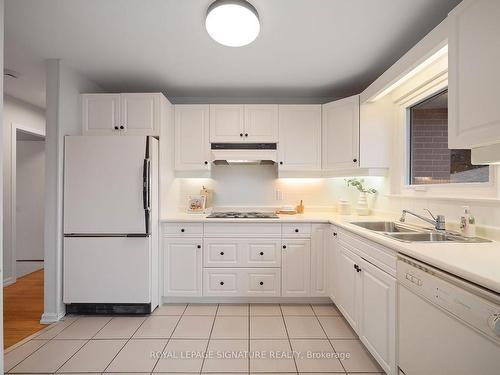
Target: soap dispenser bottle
467 223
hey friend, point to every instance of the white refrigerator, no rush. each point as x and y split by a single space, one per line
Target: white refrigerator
110 254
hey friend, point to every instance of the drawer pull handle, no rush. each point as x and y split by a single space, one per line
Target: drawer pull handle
261 253
221 283
261 283
296 231
221 253
183 230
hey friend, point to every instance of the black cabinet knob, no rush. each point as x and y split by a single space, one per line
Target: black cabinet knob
122 127
116 127
261 283
335 234
356 267
246 134
241 134
221 253
296 231
261 253
281 163
221 283
284 246
206 162
198 246
355 160
182 230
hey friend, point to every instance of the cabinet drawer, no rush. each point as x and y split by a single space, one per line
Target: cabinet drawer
263 282
264 253
221 282
241 282
242 230
223 252
182 229
297 230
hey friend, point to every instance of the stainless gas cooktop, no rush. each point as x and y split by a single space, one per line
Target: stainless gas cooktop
242 215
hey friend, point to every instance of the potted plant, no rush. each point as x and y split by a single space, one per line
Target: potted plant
362 208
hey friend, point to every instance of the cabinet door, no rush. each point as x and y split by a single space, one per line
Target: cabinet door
182 268
347 285
332 259
140 113
474 77
296 268
319 264
299 137
192 144
341 134
377 317
261 123
227 123
100 114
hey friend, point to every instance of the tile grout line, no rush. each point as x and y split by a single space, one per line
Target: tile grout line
41 346
126 342
328 339
209 337
168 340
289 341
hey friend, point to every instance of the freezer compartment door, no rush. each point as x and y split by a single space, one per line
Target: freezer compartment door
105 185
107 270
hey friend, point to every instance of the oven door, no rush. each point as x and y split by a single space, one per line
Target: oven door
432 342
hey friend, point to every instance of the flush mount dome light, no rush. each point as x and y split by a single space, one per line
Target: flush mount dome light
233 23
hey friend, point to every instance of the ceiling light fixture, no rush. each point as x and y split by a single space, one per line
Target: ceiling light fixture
232 23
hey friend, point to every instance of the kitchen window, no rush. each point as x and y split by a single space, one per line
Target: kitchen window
430 160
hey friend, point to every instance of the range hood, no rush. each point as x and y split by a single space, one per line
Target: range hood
244 153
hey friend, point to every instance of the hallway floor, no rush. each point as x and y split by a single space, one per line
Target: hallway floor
23 308
217 339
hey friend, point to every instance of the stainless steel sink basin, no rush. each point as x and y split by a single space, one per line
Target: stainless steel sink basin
384 226
433 237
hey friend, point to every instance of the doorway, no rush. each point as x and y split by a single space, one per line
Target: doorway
23 299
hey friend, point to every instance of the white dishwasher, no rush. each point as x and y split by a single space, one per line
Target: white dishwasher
446 326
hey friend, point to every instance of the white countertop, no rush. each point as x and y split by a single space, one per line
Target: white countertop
478 263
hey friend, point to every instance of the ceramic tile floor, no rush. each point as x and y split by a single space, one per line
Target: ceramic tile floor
198 339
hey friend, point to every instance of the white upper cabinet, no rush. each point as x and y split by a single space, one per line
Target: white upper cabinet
227 123
244 123
140 113
122 114
192 144
474 76
100 113
261 123
299 147
341 134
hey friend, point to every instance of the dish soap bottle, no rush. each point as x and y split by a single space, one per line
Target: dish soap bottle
467 223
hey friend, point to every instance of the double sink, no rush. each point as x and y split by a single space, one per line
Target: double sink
410 233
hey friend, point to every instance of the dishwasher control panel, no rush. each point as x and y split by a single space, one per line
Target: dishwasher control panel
440 289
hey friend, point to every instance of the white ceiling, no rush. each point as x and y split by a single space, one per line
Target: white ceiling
312 49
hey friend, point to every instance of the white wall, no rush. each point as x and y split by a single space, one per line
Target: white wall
30 207
64 86
32 118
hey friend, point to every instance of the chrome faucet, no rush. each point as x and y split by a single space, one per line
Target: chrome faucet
438 221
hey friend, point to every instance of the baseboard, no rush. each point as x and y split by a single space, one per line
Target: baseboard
270 300
48 318
8 281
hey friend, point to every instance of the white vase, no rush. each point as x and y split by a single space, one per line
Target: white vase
362 209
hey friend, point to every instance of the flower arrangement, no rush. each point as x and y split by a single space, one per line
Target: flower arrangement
358 184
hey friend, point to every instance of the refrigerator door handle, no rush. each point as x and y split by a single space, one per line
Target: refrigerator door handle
146 185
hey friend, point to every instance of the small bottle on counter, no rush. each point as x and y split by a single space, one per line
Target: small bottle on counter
300 207
467 223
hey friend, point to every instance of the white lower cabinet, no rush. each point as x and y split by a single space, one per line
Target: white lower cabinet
332 256
366 296
319 264
182 267
295 266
